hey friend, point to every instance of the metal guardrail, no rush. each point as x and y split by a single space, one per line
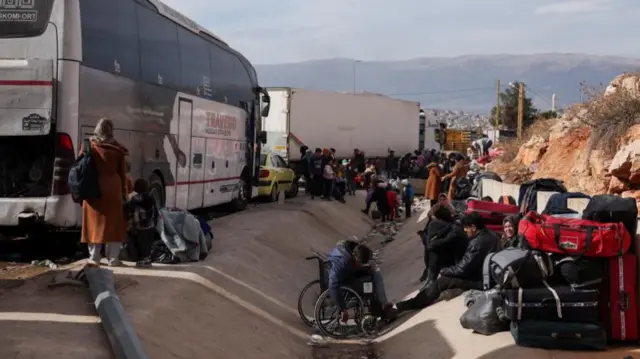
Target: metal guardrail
122 337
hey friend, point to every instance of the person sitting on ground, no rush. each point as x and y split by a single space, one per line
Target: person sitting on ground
143 217
510 237
445 243
349 266
466 274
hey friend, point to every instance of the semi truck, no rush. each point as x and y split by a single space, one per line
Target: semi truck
372 123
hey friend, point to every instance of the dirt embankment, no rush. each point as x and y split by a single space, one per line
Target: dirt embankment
594 147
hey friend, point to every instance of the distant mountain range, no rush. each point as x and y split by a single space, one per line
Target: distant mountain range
466 83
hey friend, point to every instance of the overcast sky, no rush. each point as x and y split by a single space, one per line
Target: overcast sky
297 30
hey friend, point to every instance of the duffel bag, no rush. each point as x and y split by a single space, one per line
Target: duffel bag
516 268
608 208
573 236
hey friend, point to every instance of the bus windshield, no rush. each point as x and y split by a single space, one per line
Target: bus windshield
24 18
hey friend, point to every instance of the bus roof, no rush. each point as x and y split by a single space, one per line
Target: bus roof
181 19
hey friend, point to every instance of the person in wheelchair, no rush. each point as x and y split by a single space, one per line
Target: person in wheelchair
350 268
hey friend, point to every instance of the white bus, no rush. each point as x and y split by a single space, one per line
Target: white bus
185 104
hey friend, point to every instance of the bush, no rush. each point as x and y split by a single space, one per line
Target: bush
609 116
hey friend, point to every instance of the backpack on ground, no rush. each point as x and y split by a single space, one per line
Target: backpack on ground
613 209
516 268
84 177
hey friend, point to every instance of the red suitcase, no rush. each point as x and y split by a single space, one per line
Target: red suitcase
493 213
622 310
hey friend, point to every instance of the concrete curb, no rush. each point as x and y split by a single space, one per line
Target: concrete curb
122 336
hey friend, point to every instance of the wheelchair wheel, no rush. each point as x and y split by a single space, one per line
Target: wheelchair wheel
307 302
327 314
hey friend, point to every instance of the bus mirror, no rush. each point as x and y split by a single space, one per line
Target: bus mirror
262 137
266 102
265 110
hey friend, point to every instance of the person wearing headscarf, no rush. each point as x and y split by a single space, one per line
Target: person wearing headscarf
103 218
433 187
510 237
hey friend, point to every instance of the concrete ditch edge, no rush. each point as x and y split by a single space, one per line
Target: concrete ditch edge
122 337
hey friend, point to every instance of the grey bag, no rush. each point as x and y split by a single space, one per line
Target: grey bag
516 268
485 315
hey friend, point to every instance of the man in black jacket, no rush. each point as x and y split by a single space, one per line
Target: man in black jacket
466 274
317 166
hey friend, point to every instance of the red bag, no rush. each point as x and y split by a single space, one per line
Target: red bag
493 213
574 236
620 302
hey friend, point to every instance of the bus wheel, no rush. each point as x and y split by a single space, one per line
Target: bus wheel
156 190
244 194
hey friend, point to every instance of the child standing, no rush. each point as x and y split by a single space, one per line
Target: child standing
407 197
143 217
392 200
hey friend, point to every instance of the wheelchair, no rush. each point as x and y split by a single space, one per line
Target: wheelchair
359 296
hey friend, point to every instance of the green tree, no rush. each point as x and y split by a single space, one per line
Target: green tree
548 114
509 108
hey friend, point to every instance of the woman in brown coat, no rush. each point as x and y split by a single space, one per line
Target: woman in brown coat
459 171
103 219
434 183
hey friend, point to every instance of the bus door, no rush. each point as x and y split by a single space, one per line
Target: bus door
183 163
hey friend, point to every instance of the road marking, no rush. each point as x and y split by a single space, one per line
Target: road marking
252 289
236 281
48 317
196 278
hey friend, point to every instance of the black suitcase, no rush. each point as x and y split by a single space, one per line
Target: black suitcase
559 335
558 303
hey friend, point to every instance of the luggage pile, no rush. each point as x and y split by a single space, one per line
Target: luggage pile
573 285
492 213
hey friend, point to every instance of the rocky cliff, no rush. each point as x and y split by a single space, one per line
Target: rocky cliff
594 147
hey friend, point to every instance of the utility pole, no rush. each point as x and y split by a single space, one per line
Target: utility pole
520 109
354 75
497 127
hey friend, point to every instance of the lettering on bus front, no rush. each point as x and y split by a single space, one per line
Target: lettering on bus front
18 10
23 18
220 124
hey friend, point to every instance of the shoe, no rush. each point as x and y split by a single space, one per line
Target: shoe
115 263
390 312
364 211
143 264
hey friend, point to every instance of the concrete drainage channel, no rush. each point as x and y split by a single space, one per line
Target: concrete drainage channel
122 337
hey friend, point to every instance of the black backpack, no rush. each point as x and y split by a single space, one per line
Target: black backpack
84 177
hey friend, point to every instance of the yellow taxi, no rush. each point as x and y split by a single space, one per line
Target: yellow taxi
275 177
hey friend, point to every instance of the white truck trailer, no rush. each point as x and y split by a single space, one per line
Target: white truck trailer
369 122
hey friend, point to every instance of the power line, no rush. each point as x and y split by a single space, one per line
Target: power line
440 92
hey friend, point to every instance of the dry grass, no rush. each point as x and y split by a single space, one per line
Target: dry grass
512 145
609 116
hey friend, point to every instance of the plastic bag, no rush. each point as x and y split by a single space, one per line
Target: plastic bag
484 315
